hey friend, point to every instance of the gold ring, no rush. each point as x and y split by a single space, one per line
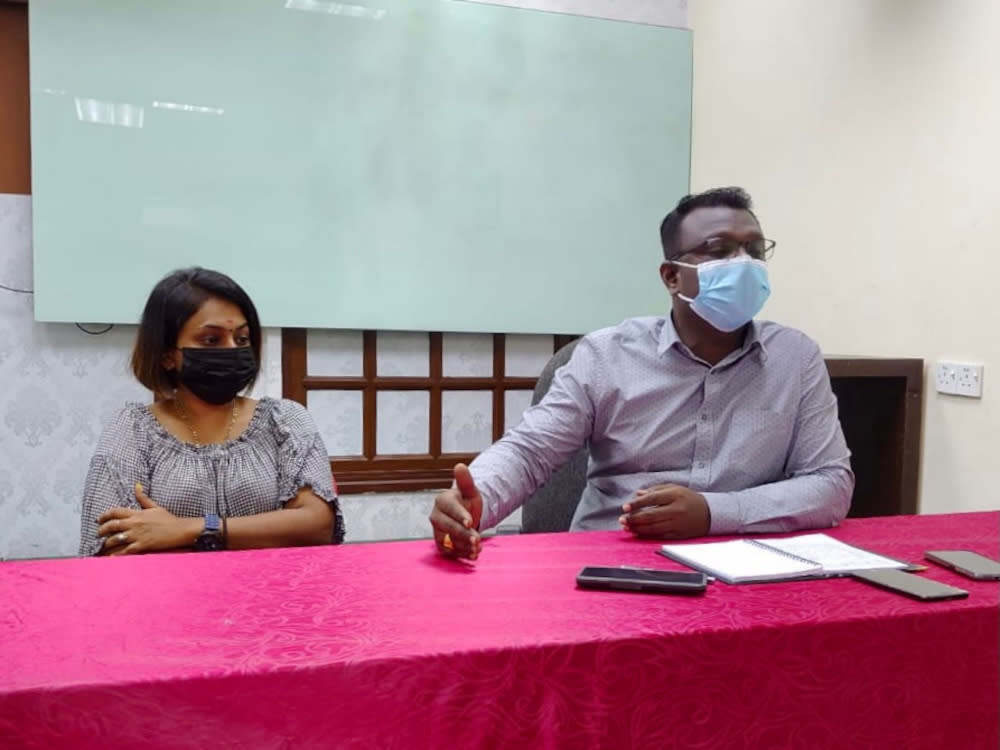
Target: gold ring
447 543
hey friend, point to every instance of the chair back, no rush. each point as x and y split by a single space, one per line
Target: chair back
552 505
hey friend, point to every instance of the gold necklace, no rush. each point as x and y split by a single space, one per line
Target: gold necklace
194 433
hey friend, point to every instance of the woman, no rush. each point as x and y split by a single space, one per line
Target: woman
202 467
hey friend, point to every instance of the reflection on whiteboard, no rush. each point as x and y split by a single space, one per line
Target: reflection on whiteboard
657 12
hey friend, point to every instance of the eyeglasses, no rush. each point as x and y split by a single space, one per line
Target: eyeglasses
719 248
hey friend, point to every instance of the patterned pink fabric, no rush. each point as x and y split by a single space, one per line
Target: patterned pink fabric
388 646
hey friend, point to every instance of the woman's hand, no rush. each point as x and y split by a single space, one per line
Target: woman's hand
129 532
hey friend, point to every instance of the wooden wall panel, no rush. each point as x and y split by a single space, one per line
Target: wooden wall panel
15 134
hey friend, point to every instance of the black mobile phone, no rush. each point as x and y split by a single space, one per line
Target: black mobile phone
969 564
910 585
642 579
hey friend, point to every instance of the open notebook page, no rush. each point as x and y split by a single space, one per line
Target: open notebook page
835 556
740 561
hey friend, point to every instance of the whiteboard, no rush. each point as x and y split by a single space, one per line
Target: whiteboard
399 164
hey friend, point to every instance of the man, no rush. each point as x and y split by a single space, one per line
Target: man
703 422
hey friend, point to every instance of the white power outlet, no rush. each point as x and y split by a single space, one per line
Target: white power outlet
969 381
944 378
959 379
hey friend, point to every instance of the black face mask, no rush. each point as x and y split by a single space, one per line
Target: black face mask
217 375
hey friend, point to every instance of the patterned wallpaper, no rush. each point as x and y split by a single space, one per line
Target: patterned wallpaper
60 385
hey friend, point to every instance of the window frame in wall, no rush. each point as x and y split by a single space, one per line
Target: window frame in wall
370 471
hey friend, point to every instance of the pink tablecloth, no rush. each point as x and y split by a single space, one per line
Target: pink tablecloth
388 646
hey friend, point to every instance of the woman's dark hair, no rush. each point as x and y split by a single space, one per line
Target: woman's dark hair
172 302
670 227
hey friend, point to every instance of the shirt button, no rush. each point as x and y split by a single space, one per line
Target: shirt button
701 464
704 417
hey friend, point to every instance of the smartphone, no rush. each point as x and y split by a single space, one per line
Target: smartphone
969 564
642 579
910 585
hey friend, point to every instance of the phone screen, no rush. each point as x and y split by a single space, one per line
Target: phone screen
642 579
970 564
645 574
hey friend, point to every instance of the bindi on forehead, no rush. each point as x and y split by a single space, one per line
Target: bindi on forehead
226 325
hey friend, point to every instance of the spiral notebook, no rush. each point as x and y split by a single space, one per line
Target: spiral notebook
792 558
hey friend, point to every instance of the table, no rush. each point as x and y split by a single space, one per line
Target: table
389 646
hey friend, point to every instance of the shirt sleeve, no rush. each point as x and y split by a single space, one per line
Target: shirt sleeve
120 461
550 432
818 484
304 462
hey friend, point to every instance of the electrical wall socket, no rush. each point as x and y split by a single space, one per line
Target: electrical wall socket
959 379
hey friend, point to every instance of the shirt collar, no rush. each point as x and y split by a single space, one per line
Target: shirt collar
669 338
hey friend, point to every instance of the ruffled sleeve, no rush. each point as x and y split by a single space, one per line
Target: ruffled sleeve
121 460
303 460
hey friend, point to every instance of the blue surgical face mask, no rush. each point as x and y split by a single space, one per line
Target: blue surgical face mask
730 291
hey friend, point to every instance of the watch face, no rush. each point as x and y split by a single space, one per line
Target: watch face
209 541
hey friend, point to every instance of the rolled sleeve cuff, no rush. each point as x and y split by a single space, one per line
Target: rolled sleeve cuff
724 512
491 513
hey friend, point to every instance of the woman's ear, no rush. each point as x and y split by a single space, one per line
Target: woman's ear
170 360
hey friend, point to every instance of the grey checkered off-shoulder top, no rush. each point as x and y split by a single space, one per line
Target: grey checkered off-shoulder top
279 453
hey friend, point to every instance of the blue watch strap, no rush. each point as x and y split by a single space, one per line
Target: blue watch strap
212 522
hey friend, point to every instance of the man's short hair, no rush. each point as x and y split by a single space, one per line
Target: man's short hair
670 227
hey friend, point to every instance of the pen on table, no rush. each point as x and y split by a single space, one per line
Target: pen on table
709 579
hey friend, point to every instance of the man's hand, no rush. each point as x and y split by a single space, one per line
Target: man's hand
455 517
666 511
129 532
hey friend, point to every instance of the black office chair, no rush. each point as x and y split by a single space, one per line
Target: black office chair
552 505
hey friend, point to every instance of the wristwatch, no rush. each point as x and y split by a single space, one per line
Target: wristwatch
211 538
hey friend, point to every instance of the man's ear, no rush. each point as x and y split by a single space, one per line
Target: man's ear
670 275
